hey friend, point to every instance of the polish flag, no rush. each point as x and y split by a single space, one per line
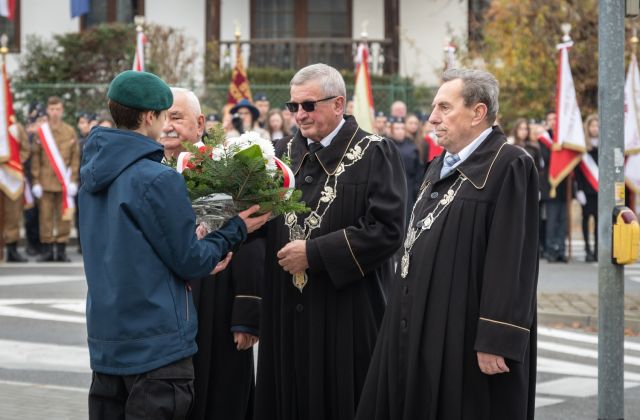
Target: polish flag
363 110
11 174
8 8
138 60
632 126
434 149
568 142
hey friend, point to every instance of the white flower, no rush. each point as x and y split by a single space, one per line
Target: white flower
217 153
250 138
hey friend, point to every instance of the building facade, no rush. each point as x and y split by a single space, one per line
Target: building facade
406 36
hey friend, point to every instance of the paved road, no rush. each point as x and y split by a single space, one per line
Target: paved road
44 369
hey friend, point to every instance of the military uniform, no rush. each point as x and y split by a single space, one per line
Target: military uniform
13 205
50 205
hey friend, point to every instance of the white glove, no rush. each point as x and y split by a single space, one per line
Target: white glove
582 199
37 191
72 189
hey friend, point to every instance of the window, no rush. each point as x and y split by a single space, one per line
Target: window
294 33
301 19
108 11
12 28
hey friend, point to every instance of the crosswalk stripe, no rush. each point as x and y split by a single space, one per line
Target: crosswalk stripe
37 279
573 386
543 401
584 338
578 351
561 367
13 308
43 357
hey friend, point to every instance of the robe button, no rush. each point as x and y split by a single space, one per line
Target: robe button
308 179
403 324
434 195
312 157
299 307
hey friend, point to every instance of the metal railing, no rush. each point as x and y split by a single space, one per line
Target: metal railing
295 53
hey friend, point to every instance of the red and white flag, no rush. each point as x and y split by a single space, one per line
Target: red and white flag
568 142
589 169
363 110
434 149
11 175
8 8
63 173
632 126
632 108
138 60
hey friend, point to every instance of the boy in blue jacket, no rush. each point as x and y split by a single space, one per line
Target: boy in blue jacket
137 228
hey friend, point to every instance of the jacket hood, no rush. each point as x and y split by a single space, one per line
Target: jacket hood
109 151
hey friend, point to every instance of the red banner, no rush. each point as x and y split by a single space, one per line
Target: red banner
239 87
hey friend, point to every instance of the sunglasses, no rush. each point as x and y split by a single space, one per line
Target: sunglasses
307 106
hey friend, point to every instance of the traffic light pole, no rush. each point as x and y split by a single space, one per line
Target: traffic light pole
611 192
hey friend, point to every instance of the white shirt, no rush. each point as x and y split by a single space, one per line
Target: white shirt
329 138
469 148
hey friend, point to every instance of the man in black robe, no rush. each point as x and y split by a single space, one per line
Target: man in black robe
228 304
323 295
458 339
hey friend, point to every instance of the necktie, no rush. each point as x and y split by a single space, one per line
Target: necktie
314 147
449 162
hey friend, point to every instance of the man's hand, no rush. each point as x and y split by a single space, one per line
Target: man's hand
293 257
490 364
201 231
253 223
244 341
222 264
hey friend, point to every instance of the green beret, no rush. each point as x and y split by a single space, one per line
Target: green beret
140 90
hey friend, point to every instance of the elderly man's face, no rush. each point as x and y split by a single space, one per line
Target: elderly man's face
451 119
182 124
317 124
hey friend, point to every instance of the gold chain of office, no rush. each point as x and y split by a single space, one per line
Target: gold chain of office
327 196
425 224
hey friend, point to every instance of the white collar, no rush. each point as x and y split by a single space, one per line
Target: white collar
471 147
329 138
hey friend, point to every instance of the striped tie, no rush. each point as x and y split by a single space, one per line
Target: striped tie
449 162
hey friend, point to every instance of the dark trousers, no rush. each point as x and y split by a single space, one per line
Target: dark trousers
32 227
590 209
163 393
556 228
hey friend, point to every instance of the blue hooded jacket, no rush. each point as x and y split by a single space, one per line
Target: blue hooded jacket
137 229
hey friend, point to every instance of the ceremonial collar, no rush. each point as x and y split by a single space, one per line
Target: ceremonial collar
330 156
477 166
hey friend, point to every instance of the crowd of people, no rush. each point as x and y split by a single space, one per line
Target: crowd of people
408 291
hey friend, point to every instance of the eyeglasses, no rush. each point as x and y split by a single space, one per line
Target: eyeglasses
307 106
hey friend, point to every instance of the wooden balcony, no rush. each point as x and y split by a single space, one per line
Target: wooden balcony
295 53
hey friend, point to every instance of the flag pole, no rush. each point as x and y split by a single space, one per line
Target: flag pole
4 50
566 28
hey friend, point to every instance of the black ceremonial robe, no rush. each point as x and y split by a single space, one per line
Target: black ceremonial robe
224 377
471 286
315 346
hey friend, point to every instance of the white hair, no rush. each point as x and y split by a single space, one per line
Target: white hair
192 100
329 79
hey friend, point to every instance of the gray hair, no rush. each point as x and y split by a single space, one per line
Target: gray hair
479 86
192 100
329 79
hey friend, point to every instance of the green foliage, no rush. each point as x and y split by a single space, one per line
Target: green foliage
239 174
78 66
519 47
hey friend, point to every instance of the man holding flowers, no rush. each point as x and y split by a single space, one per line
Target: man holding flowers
139 243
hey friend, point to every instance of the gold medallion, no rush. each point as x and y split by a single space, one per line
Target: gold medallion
300 280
